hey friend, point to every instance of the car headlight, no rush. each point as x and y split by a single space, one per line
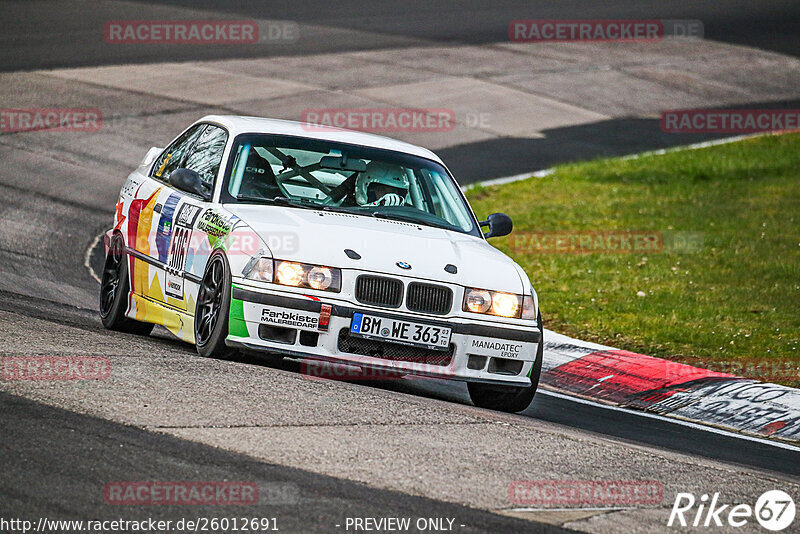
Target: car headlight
294 274
259 269
320 278
528 308
477 300
290 273
498 303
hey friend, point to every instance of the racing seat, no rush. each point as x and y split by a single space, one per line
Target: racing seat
258 179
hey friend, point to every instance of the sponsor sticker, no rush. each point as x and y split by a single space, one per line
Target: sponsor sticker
173 286
187 214
130 187
302 320
214 224
501 348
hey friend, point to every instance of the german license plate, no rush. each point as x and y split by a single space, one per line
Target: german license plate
400 331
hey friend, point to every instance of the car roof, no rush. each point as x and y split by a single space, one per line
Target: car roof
237 124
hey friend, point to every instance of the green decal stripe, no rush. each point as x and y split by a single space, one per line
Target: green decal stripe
236 325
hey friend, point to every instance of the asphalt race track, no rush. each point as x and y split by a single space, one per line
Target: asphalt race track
347 26
302 501
322 451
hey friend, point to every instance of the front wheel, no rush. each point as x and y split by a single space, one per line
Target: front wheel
114 290
510 399
212 309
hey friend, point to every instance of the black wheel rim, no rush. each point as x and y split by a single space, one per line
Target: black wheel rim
111 277
209 301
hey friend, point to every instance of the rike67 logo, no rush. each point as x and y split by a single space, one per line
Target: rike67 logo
774 510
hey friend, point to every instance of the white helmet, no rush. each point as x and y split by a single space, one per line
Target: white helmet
378 172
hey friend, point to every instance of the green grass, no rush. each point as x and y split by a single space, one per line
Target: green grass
733 297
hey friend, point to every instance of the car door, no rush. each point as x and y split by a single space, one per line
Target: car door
177 246
146 232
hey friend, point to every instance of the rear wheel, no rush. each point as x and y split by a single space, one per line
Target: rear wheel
509 398
114 291
213 307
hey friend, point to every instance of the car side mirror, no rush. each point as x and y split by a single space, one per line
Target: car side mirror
151 156
499 225
189 181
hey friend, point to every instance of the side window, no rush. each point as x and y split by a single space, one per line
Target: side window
171 158
205 155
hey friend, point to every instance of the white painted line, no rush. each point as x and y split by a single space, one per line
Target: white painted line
511 179
88 256
696 426
695 146
544 172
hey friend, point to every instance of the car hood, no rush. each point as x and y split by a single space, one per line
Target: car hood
320 237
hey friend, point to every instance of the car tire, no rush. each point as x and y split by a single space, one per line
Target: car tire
213 308
510 399
114 290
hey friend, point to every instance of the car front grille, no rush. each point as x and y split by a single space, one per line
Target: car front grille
429 298
379 291
393 351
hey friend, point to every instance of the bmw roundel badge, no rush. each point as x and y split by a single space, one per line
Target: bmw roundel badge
403 265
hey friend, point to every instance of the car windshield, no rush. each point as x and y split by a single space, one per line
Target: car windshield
317 174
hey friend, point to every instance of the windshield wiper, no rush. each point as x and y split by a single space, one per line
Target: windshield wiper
413 220
292 202
252 198
283 201
304 203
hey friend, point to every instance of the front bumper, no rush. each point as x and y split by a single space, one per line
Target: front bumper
295 326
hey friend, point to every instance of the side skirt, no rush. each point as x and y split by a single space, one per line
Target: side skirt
176 321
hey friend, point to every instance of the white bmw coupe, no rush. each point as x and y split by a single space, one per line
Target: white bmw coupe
323 244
